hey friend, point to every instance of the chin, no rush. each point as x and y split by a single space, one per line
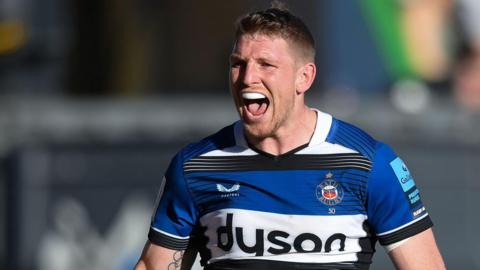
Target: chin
257 131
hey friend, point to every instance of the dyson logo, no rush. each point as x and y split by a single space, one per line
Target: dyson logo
280 239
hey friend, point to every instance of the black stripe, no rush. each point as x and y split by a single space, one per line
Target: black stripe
282 167
292 162
202 169
253 264
406 232
166 241
244 164
367 244
311 156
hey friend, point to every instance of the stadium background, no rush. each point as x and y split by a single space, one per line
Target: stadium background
96 96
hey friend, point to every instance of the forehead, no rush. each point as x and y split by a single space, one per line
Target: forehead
260 45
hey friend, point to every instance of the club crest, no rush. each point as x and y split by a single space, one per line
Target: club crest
329 191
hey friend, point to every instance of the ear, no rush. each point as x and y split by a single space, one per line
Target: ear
305 77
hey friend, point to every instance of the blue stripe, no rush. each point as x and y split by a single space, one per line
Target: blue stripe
356 173
352 137
222 139
352 142
275 192
357 138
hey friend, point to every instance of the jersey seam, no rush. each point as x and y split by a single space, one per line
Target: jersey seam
197 208
394 230
370 173
333 129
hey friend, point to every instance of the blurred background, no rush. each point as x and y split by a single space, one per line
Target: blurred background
96 96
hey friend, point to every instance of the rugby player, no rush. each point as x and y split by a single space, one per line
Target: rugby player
286 186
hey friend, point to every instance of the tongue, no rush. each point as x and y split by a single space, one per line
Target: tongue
257 108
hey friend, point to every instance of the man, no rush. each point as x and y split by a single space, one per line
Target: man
287 186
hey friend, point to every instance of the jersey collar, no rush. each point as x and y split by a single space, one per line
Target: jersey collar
322 128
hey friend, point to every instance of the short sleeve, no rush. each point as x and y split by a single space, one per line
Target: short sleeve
394 208
175 215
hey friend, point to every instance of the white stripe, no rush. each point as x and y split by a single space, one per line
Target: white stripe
322 128
326 148
395 245
230 151
403 226
294 225
331 257
169 234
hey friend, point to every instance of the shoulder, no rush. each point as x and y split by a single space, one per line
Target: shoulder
351 136
221 139
355 138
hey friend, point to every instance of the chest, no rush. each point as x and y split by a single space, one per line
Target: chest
295 192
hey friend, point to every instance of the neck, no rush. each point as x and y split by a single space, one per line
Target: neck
297 132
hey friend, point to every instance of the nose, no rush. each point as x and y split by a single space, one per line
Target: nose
250 74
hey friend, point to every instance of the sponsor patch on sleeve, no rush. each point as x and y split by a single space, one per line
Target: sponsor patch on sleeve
408 185
403 174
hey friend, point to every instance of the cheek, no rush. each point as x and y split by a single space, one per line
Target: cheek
284 88
234 74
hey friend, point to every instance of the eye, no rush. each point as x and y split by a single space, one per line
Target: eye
266 65
236 64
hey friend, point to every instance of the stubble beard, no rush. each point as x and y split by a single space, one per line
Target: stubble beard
264 130
258 132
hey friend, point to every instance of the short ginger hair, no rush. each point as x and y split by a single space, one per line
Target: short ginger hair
278 22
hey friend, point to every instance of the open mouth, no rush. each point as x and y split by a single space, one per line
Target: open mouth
255 103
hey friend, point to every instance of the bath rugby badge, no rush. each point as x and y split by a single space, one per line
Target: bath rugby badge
329 191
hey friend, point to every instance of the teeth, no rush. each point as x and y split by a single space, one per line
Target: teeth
253 96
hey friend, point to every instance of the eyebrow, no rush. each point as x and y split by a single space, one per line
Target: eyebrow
237 57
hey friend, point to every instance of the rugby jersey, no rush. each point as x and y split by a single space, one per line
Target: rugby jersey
320 206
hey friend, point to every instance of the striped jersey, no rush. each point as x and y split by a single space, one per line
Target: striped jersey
323 205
